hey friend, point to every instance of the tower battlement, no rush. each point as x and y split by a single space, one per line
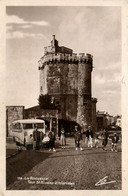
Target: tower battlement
60 57
55 53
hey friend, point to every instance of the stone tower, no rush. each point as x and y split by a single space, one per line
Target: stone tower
66 76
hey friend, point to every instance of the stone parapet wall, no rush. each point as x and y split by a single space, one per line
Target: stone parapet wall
59 57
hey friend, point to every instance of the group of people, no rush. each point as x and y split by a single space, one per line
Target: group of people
91 139
38 136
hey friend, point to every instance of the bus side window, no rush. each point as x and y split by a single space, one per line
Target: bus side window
39 125
17 127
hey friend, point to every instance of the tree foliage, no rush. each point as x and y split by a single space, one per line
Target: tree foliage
46 102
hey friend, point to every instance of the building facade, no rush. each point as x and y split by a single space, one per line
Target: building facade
102 120
66 77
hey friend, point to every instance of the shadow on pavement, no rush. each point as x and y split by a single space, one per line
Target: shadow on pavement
9 152
78 153
20 164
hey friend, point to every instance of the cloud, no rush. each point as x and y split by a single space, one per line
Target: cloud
13 19
9 27
21 35
107 78
13 33
39 23
111 92
25 26
99 80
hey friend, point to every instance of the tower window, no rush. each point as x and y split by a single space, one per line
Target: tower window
41 88
85 100
57 102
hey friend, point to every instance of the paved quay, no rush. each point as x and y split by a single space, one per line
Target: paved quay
65 169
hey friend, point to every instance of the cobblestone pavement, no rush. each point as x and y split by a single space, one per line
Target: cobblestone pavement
65 169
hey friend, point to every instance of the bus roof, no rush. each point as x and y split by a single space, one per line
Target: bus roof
29 121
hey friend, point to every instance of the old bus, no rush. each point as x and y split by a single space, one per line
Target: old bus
22 130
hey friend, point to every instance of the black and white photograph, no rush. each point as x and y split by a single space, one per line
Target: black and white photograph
63 97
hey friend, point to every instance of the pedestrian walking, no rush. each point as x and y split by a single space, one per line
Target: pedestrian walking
63 138
41 138
115 140
89 136
96 140
78 138
51 136
105 138
36 139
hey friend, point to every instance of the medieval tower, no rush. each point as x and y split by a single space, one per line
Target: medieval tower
66 77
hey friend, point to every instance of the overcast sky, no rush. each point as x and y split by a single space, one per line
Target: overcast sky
94 30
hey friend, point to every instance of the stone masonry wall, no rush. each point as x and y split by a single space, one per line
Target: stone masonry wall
43 80
72 79
94 117
13 113
84 114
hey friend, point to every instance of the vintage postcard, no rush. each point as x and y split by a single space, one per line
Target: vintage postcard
64 97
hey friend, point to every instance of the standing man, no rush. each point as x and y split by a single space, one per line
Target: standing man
89 136
115 139
52 138
105 138
78 138
36 138
63 138
41 138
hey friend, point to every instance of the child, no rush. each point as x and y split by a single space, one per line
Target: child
115 139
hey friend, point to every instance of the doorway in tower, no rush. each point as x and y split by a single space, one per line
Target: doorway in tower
68 126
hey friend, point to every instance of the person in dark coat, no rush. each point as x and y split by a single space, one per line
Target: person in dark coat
36 139
78 138
89 136
105 138
52 139
115 139
41 138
